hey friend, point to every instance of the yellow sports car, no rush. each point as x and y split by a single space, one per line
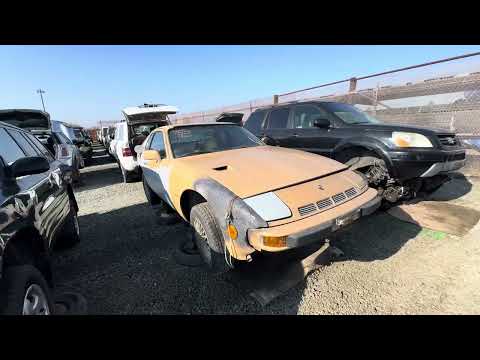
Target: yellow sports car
242 196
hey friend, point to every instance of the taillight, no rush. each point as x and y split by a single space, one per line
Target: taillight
64 152
126 152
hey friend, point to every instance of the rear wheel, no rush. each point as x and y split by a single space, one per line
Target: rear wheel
208 238
24 291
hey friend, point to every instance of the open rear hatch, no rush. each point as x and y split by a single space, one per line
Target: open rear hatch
148 114
235 118
27 119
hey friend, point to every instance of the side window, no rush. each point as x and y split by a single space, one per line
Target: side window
9 149
158 143
278 118
305 115
255 122
24 144
42 149
149 141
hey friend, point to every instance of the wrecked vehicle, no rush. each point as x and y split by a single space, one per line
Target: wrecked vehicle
139 123
398 160
242 196
48 132
38 211
77 136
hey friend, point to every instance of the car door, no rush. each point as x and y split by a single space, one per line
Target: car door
52 192
156 178
41 194
277 126
306 136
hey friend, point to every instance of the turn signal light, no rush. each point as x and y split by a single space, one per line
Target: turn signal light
275 241
232 232
126 152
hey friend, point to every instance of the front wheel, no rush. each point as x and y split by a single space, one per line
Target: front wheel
24 291
208 238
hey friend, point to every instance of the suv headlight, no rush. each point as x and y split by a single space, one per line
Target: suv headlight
268 206
410 140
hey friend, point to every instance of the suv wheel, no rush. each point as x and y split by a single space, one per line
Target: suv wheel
208 238
24 291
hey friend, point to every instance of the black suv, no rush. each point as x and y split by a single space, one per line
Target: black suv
398 160
38 210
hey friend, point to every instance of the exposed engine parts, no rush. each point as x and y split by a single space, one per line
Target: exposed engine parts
377 173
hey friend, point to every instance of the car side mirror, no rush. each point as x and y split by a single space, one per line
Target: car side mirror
321 123
29 166
138 149
151 155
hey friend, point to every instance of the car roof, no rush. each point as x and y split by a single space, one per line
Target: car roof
290 103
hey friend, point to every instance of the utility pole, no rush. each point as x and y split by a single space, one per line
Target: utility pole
40 91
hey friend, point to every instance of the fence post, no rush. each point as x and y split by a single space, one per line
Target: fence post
275 99
353 84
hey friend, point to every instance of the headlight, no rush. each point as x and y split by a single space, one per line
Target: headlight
406 139
268 206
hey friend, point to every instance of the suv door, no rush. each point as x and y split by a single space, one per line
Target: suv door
277 126
307 137
44 192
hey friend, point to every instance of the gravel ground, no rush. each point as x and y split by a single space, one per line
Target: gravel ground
124 263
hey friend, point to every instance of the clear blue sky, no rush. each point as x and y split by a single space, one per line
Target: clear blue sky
85 84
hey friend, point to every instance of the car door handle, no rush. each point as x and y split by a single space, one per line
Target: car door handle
295 135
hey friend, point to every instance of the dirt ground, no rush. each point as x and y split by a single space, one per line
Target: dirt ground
124 264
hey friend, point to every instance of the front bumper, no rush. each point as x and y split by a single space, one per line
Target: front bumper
317 227
411 164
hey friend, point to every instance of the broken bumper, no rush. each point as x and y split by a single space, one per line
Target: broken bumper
443 167
315 228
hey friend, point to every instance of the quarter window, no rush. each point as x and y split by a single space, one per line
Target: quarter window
305 115
158 144
278 118
9 149
255 122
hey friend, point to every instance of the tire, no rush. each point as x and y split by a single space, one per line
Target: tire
208 238
17 281
70 303
186 253
71 231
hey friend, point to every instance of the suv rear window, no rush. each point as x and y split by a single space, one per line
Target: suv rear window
278 118
9 149
255 122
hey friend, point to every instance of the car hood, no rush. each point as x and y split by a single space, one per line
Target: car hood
399 127
256 170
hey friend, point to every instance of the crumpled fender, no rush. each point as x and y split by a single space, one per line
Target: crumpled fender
243 216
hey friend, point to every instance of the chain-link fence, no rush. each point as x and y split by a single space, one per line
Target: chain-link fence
443 94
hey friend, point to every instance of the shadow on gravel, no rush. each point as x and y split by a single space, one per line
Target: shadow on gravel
458 186
102 177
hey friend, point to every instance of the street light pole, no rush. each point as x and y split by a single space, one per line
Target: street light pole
40 91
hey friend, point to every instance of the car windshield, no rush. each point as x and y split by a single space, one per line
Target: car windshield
194 140
350 114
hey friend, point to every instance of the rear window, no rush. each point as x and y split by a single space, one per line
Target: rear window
278 119
255 122
24 144
9 149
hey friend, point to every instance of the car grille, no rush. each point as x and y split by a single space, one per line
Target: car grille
329 202
448 140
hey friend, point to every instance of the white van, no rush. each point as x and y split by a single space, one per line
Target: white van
139 122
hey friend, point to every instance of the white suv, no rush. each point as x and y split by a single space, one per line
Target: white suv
139 122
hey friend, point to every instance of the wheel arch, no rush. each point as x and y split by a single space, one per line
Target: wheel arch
365 144
27 246
188 200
